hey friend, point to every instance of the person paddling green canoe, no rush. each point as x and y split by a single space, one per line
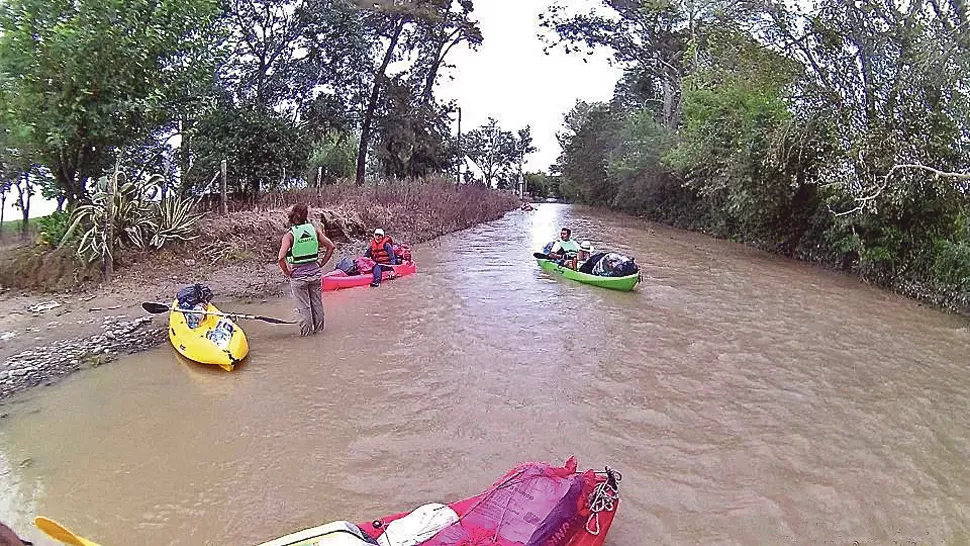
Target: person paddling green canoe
564 248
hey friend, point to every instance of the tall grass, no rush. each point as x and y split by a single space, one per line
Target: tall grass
420 210
410 212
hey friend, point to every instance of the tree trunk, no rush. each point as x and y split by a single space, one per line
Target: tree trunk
65 172
60 203
23 201
372 103
108 256
443 48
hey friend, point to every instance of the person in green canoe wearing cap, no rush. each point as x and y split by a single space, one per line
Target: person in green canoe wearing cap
299 258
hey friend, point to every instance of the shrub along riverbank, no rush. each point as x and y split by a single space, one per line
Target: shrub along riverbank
793 128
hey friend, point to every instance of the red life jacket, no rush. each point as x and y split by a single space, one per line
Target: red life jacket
377 251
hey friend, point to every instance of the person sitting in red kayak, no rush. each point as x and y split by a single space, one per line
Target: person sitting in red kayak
381 250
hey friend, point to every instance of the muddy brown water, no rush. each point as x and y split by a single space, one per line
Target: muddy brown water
745 398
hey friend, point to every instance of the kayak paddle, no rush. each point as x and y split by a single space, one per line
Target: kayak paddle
155 308
60 533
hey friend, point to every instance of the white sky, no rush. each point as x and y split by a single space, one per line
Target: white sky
508 78
511 79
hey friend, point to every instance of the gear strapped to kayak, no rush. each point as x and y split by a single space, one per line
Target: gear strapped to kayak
534 504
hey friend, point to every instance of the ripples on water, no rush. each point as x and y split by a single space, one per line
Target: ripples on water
746 399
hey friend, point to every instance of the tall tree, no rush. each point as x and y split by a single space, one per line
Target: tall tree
56 56
651 40
423 31
498 153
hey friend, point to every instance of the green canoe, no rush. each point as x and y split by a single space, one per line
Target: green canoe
615 283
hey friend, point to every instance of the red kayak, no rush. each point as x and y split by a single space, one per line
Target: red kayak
534 504
337 279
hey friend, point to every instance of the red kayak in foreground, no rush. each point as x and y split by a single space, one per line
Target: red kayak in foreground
337 279
534 504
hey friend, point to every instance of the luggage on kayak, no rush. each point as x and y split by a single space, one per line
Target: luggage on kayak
196 298
364 265
190 296
615 265
418 526
403 253
534 504
347 265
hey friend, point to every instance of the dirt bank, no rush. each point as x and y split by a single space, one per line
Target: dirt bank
57 320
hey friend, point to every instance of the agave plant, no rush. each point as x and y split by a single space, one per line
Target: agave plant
174 220
130 217
134 219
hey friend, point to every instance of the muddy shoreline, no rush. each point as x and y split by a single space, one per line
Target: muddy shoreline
45 336
62 333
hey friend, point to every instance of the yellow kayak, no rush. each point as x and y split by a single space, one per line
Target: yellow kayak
215 340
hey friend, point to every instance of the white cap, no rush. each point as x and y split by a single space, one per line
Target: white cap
379 231
586 246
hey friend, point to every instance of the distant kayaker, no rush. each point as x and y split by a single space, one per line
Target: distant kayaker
381 250
300 261
564 247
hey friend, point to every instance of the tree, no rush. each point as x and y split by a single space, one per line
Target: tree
56 56
26 184
262 149
497 152
542 185
586 144
332 158
410 27
651 40
436 39
412 137
4 188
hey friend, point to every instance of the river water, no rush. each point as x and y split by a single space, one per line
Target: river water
745 398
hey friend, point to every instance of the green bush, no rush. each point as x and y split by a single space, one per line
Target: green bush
951 263
53 228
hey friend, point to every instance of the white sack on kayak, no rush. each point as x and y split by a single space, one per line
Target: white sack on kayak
418 526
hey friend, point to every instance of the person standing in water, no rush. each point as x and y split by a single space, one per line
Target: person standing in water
299 258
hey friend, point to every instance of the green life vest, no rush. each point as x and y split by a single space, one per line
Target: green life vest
569 246
305 245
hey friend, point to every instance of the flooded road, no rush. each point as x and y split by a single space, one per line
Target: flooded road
746 399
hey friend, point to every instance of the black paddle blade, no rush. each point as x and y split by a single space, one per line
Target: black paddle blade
272 320
540 256
156 308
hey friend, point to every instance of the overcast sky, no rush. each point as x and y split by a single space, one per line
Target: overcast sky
512 80
508 78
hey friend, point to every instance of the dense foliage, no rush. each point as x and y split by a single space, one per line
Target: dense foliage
279 89
836 133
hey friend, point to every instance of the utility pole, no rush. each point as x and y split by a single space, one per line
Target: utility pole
223 197
461 158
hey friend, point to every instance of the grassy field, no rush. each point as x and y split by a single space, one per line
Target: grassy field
10 229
